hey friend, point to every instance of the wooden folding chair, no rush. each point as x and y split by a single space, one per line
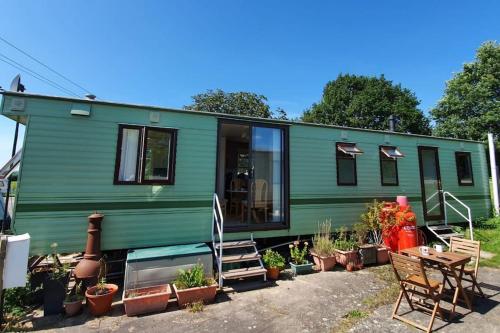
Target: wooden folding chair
472 248
413 280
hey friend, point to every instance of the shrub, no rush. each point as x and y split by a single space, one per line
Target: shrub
193 277
322 241
273 259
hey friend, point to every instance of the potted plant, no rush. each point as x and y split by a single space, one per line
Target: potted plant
367 251
100 296
345 248
73 301
274 263
299 263
54 285
193 286
323 251
372 218
146 300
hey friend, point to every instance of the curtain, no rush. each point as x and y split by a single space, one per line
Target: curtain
128 160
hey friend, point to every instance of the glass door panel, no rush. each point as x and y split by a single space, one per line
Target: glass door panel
430 179
267 181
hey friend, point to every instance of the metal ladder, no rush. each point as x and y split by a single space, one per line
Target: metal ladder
243 251
444 231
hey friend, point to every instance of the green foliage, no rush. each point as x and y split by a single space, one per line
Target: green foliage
471 101
322 241
356 314
273 259
297 254
489 234
371 219
367 102
17 300
237 103
58 272
361 230
193 277
196 307
344 242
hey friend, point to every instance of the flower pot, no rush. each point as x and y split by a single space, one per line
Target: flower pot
301 269
100 304
145 300
273 273
368 254
198 294
324 263
73 308
54 292
344 257
382 255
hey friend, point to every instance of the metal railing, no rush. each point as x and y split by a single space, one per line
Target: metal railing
468 217
218 225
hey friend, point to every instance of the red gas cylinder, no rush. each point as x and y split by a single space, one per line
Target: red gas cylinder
407 237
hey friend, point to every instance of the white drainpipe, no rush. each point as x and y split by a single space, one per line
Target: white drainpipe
494 175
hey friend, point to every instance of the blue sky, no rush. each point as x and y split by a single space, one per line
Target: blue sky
163 52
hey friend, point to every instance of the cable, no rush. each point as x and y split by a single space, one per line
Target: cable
46 66
40 75
41 78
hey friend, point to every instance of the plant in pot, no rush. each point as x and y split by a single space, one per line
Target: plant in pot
371 218
55 284
299 263
323 251
274 263
193 286
73 301
367 251
346 249
146 299
100 296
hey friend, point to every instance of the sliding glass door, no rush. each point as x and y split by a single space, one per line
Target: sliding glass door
252 174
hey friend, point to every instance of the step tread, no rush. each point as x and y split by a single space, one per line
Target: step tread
453 234
240 257
243 272
236 244
440 227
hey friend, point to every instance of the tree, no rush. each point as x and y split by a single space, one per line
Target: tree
471 102
368 102
237 103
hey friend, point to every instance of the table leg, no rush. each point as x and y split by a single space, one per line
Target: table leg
459 288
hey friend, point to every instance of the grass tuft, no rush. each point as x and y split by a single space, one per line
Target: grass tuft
196 307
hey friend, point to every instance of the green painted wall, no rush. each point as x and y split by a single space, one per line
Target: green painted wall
68 167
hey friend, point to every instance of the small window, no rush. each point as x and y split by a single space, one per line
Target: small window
464 169
145 155
346 163
389 165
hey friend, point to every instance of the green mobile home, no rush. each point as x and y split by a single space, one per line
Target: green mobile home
153 173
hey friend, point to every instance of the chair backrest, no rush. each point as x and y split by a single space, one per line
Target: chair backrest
236 184
467 246
260 191
404 266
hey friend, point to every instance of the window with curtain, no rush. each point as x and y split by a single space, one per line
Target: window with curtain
346 163
464 169
145 155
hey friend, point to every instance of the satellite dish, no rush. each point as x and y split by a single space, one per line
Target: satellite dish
16 84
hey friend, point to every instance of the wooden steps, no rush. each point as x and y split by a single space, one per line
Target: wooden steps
243 272
444 232
235 244
232 258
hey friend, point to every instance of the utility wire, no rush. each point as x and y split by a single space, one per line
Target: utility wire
39 77
44 65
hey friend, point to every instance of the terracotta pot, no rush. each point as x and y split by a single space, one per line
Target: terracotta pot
344 257
382 255
145 300
100 304
273 273
197 294
73 308
324 263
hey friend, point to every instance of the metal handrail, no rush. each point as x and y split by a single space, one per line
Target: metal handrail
469 215
218 221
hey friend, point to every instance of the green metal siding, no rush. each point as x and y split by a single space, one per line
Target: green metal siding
68 167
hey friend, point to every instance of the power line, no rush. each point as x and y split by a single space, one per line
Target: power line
44 65
39 77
